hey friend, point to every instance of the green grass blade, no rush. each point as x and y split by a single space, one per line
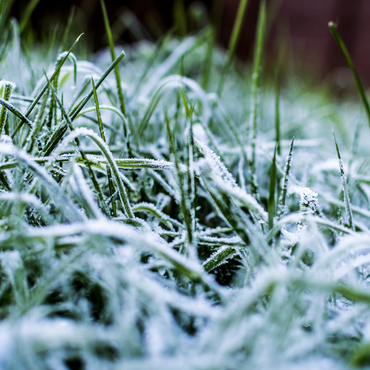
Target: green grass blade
41 93
27 14
271 204
2 2
356 77
6 89
75 112
152 210
277 113
83 155
347 201
11 108
233 43
37 125
256 76
113 55
67 29
101 129
218 258
180 17
284 190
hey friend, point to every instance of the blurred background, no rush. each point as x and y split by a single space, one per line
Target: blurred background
301 26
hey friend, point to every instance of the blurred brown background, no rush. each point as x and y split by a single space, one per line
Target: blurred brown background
303 21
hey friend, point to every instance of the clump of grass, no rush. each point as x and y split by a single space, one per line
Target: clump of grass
126 240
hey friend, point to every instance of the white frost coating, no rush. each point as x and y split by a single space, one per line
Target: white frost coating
215 163
345 266
200 133
6 139
103 147
61 200
235 240
7 346
346 195
125 233
10 262
308 202
4 83
85 191
246 199
217 259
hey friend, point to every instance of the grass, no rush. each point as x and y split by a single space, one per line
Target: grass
133 234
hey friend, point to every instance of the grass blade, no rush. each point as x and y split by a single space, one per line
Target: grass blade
11 108
277 114
113 55
6 89
27 14
83 155
256 76
233 43
101 129
347 201
356 77
284 190
271 206
75 112
41 93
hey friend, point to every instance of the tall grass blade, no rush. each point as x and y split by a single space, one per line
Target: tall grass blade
347 201
256 76
2 2
67 29
277 113
101 129
41 93
271 203
83 155
234 38
6 89
356 77
113 55
284 190
75 111
27 14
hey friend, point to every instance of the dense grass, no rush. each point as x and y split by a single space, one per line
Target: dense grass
130 237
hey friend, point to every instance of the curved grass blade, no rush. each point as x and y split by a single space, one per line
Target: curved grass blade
75 112
61 200
83 155
112 109
41 93
152 210
360 88
165 86
108 155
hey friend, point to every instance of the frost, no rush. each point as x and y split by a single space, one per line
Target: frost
308 202
215 163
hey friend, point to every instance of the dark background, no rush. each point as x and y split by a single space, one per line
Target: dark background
302 22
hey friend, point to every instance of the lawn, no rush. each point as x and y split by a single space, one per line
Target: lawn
170 207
